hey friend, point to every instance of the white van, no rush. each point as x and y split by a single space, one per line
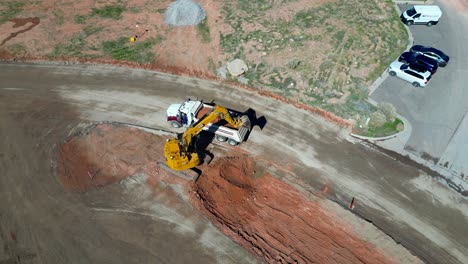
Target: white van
422 14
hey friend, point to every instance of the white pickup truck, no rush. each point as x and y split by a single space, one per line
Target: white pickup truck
189 112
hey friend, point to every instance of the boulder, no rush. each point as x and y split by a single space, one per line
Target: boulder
237 67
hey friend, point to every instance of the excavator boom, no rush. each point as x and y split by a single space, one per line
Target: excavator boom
179 152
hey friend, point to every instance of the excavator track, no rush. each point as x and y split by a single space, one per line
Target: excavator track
189 175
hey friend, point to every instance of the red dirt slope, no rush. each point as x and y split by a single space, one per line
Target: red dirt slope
273 220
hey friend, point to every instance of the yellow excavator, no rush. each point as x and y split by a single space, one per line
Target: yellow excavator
181 152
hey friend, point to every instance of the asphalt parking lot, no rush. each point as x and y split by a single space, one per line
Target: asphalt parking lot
437 112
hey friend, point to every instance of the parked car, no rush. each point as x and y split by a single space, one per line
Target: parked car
422 14
432 53
416 75
414 58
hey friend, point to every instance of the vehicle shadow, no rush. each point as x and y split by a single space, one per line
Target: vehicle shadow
254 121
201 143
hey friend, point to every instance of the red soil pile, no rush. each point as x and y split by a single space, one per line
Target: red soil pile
273 220
108 154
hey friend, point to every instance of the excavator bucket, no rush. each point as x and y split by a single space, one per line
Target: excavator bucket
245 121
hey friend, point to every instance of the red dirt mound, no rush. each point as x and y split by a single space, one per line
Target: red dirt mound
108 154
273 220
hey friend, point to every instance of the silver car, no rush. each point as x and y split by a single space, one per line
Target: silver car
411 73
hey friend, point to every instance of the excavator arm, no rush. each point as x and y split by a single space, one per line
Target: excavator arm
178 151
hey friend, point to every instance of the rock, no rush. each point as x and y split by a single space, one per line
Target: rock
237 67
184 13
294 63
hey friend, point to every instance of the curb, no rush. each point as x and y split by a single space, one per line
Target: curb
373 139
410 35
384 75
406 127
402 2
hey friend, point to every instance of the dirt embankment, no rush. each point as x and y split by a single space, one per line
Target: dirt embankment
273 220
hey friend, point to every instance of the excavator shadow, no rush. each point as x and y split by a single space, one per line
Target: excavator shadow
202 141
260 121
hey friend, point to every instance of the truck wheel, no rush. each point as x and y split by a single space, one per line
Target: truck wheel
176 124
232 142
221 138
416 84
409 23
429 24
392 73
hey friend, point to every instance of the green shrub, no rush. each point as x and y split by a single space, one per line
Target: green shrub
378 119
10 10
113 12
204 31
122 49
389 111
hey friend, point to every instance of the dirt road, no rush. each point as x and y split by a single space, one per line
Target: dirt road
40 105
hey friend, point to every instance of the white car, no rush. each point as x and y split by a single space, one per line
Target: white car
411 73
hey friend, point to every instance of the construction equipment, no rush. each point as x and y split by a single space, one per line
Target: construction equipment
190 111
182 153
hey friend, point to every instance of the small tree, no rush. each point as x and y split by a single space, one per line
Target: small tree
378 119
389 111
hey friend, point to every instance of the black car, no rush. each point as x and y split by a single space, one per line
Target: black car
432 53
419 59
418 67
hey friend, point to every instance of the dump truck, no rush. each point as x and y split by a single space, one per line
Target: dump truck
191 111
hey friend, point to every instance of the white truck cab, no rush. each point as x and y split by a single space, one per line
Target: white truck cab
422 14
183 114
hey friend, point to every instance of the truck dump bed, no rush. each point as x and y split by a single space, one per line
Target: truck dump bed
207 108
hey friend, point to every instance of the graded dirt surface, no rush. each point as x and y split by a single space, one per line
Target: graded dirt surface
147 217
106 155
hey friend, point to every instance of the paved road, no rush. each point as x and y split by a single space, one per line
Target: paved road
40 104
436 112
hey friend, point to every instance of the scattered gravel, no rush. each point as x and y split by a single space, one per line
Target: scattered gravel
184 13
